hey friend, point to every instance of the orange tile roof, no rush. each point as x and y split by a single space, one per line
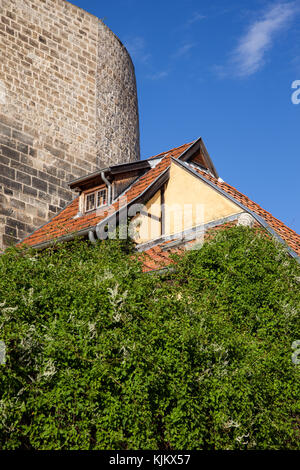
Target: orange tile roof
64 223
158 257
155 258
287 234
175 152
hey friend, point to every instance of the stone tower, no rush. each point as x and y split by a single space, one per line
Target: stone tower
68 106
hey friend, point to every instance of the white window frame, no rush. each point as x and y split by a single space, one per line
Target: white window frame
86 202
105 197
95 193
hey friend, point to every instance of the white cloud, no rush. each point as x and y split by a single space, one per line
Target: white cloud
137 49
195 18
183 50
249 55
158 75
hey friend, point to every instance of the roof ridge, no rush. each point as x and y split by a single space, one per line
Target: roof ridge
171 150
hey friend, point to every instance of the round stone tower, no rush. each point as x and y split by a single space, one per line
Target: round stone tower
117 109
68 106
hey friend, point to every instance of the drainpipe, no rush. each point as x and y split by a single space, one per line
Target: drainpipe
109 188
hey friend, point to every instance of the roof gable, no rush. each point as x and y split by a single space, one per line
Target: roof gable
198 154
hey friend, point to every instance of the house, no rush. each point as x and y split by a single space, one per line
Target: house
171 200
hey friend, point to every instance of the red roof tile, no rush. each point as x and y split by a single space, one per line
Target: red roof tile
175 152
159 256
287 234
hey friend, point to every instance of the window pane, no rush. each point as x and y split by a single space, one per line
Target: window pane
90 202
101 198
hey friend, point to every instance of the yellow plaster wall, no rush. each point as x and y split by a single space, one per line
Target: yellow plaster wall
190 202
145 227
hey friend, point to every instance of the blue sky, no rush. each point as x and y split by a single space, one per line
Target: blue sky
222 70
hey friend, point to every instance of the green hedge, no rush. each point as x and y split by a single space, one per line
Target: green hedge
102 356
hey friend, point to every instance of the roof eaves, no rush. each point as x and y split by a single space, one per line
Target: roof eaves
188 234
140 164
87 177
64 238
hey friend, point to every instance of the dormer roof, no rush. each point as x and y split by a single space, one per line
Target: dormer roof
94 179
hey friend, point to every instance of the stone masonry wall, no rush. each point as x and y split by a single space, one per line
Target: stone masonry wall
68 106
117 112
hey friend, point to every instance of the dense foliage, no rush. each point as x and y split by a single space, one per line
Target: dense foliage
102 356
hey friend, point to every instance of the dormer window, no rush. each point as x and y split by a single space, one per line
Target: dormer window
90 202
101 197
96 199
